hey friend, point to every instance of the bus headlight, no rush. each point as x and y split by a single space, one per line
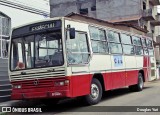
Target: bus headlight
17 86
61 83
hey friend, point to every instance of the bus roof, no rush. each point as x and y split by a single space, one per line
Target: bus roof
71 15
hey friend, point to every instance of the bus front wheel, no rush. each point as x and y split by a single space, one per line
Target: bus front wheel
95 92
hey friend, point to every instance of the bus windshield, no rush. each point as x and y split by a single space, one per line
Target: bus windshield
37 51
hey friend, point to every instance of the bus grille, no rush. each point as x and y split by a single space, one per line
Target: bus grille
58 72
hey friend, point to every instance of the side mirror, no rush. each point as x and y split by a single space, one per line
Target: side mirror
72 33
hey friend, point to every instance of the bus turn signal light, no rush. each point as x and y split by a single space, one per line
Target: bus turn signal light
16 86
61 83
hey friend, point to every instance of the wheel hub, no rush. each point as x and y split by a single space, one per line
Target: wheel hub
94 91
141 82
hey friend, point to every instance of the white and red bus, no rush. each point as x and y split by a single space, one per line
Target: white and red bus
66 58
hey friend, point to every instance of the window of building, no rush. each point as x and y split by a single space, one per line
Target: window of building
83 11
5 26
144 5
4 36
93 8
98 40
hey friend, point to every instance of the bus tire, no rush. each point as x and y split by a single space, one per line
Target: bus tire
139 85
96 93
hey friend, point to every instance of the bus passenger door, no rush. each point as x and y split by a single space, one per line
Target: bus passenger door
152 65
78 56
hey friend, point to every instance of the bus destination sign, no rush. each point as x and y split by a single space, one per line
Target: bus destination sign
45 25
42 26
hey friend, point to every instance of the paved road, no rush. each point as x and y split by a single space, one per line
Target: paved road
150 96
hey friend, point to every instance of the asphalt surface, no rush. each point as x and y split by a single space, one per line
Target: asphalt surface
120 100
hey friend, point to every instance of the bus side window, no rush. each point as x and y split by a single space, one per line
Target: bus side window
138 45
150 47
144 42
78 49
98 40
149 43
115 46
151 51
128 47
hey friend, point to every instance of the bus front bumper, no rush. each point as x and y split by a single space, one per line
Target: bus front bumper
38 95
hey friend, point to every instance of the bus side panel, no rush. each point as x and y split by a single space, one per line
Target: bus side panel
131 77
81 84
101 64
118 71
140 64
131 72
118 79
108 80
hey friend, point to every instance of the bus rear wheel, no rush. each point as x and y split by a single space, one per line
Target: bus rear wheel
139 86
95 93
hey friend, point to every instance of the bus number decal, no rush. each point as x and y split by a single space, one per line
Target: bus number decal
118 62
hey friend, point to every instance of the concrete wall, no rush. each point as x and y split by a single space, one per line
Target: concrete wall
115 10
62 7
88 5
105 9
3 67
